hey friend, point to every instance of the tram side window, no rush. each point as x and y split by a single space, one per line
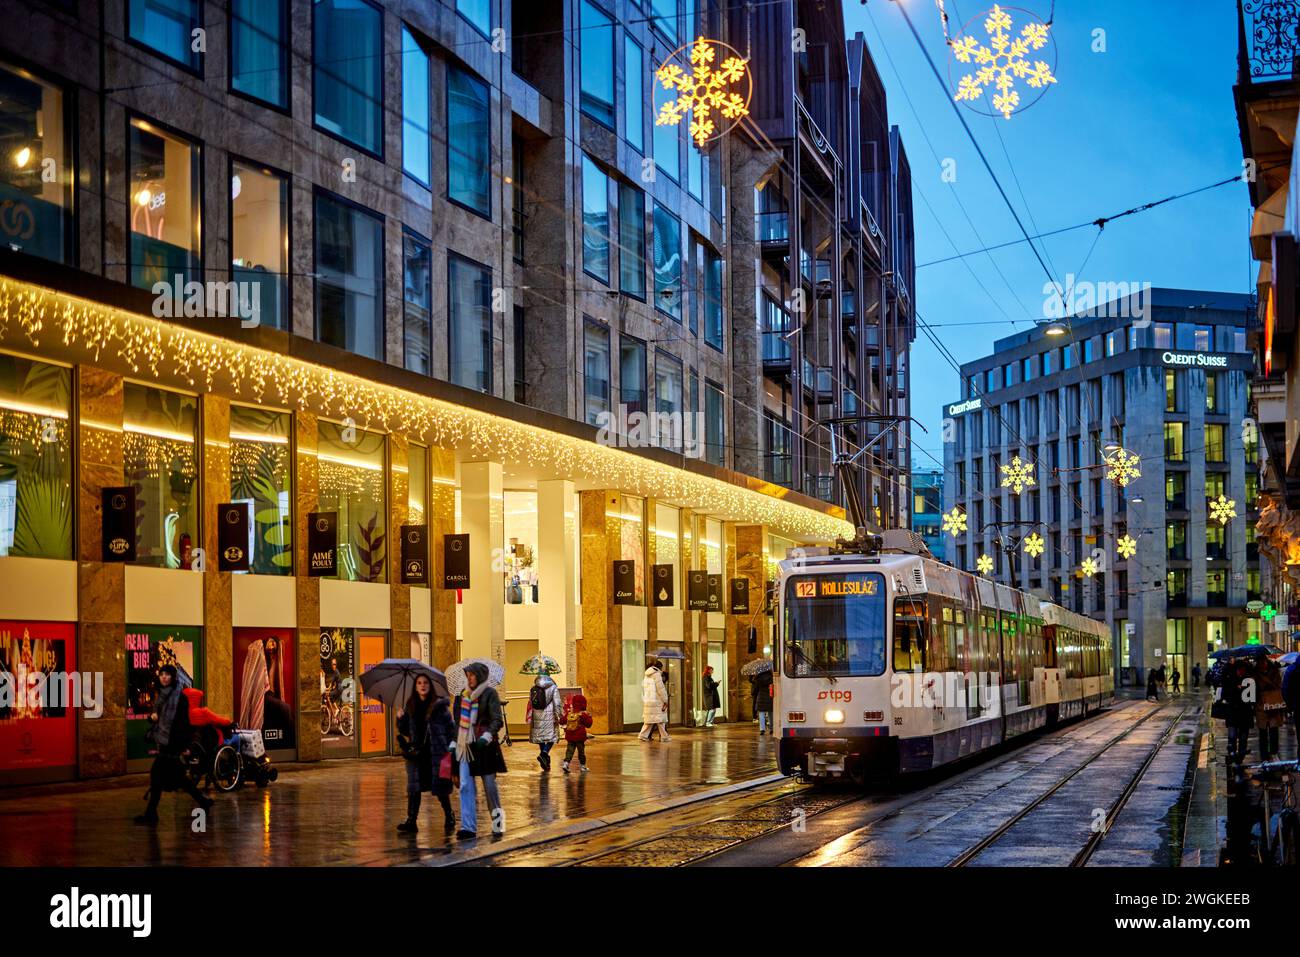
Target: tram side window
909 636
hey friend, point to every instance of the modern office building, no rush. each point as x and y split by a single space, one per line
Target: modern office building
927 509
1162 375
378 274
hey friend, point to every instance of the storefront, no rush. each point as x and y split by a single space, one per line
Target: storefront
265 682
40 691
148 648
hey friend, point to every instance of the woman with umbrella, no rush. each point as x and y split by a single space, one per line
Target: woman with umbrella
424 731
545 709
479 719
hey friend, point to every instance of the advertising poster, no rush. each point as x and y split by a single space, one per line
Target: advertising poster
148 648
374 723
338 691
265 684
37 720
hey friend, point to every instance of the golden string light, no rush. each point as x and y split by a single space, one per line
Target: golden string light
703 89
984 564
954 522
1034 545
1127 547
1017 475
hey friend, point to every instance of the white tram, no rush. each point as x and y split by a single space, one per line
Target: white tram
889 663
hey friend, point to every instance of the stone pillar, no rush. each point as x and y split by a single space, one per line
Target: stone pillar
399 504
696 655
744 559
557 618
482 511
442 522
101 588
218 635
308 589
600 652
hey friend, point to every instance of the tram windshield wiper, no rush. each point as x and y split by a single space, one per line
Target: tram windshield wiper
794 646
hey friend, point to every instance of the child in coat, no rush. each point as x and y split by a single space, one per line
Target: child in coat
576 722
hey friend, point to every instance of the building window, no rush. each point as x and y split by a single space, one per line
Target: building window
1174 441
1027 369
1047 362
417 303
259 243
715 424
1162 335
167 27
1087 350
665 17
668 400
1114 342
1216 589
1212 392
517 196
666 141
597 56
349 277
1215 485
351 478
634 93
34 133
1216 544
261 470
469 320
1252 542
631 374
348 50
1176 540
1067 357
1215 450
713 299
521 354
595 221
631 240
35 459
776 443
160 463
1252 491
1176 490
469 142
163 202
259 50
1171 390
595 369
478 13
415 109
668 262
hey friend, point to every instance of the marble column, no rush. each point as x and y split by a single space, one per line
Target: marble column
399 504
218 635
482 511
600 651
306 470
442 522
696 655
101 587
744 559
557 617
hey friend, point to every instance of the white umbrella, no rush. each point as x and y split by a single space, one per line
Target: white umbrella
456 673
756 667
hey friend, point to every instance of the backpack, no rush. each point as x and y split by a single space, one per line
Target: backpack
574 721
537 698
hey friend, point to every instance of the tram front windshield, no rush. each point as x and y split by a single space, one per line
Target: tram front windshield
835 625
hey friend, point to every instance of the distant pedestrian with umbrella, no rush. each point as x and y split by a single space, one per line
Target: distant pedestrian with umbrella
425 732
763 700
479 719
712 699
654 703
545 711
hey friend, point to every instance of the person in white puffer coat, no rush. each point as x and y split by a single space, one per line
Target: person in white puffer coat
544 721
654 703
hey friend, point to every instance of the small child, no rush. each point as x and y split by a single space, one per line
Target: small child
576 723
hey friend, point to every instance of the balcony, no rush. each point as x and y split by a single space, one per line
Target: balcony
776 468
1267 41
776 353
773 228
821 486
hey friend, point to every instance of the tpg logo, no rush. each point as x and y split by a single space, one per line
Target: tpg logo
835 696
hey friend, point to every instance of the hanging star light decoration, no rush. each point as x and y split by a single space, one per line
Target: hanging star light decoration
1223 510
1089 567
703 89
1127 547
1034 545
954 522
984 564
1017 475
1002 62
1123 467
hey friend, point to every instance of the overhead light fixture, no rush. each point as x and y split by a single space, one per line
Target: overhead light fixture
1054 328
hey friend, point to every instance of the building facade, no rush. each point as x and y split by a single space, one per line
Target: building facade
1164 376
927 510
379 274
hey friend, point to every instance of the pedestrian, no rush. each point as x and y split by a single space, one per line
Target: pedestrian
654 703
1291 694
171 734
1270 705
712 699
424 733
1196 676
576 722
1153 687
544 716
1175 678
479 719
1238 707
763 701
1160 681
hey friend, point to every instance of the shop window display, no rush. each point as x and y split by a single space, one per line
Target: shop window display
265 686
351 471
261 467
161 464
37 724
35 459
521 548
338 691
148 648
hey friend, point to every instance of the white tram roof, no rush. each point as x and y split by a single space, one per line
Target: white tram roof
1054 614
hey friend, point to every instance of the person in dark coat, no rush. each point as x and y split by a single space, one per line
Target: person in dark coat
478 718
1196 675
1291 694
425 731
171 732
1270 705
1153 685
763 701
1239 692
712 700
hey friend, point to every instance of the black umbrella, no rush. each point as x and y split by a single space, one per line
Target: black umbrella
392 680
1246 651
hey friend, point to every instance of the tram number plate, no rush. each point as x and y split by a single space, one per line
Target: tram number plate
805 589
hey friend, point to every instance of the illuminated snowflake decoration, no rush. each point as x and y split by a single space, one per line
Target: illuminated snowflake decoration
984 564
1123 467
1004 61
1089 568
1034 545
1127 547
1224 510
954 522
703 91
1017 475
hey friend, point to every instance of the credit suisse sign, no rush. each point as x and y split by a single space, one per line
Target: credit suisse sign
1200 359
957 408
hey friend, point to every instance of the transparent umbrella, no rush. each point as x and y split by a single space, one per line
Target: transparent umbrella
756 667
456 673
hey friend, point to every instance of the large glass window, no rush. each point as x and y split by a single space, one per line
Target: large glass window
469 317
715 424
665 17
520 526
597 56
713 299
469 141
159 460
478 13
1176 540
259 50
631 240
259 241
1176 490
415 108
166 27
349 277
163 197
417 303
634 93
595 221
631 374
668 262
348 50
1174 449
35 459
595 368
667 151
835 625
668 400
261 469
1215 445
37 206
351 477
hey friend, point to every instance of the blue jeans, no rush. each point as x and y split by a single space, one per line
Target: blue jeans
708 716
469 797
763 719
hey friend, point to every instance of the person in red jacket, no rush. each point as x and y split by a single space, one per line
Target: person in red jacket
576 722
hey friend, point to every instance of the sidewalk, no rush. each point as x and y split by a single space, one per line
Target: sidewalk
344 812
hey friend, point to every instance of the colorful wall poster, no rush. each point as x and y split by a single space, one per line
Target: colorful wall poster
148 648
371 650
38 701
265 685
338 692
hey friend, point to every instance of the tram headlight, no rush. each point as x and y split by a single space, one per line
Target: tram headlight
834 716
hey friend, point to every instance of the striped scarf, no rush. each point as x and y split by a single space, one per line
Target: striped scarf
468 718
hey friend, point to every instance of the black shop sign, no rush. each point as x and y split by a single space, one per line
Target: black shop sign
232 537
739 596
455 561
322 543
415 555
118 524
625 583
663 585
